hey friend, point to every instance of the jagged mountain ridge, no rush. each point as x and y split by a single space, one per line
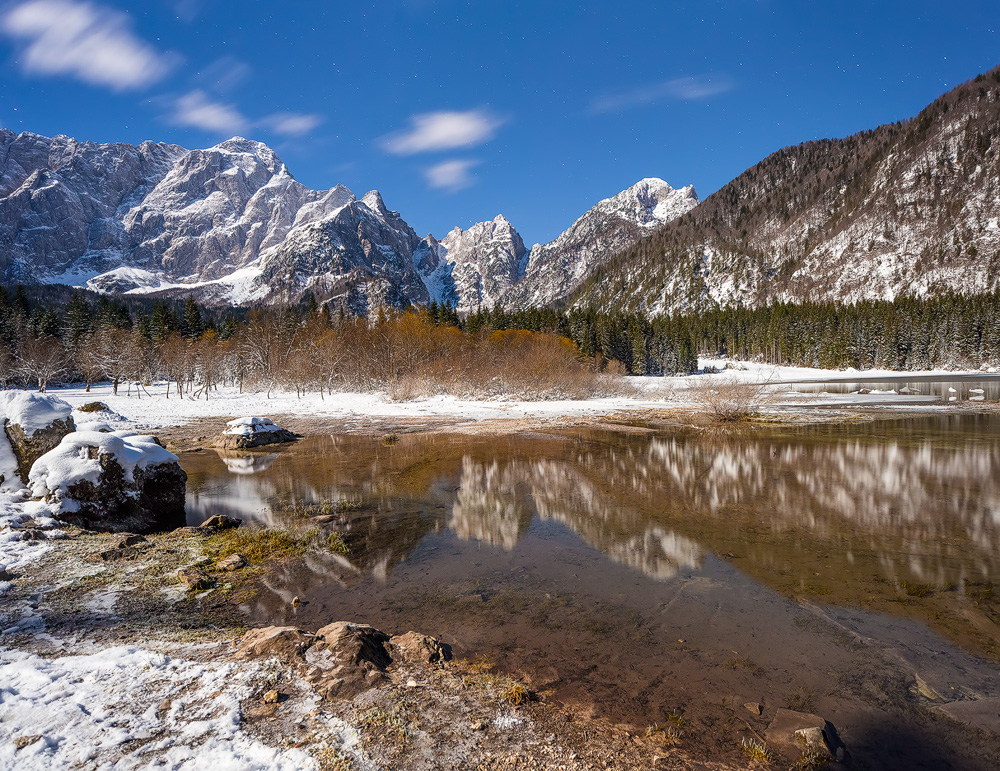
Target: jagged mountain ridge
909 208
488 264
231 225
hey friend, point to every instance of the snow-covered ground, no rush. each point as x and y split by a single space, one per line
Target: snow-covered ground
147 408
129 708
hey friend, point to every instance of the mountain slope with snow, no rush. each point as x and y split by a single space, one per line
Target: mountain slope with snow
229 224
909 208
555 269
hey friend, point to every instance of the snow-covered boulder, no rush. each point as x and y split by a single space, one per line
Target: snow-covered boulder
32 425
244 433
118 481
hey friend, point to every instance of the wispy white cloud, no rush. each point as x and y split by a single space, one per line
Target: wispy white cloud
690 89
291 124
188 10
223 75
196 110
451 175
433 131
93 43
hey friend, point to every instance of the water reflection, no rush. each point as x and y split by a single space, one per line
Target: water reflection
496 501
950 388
247 462
853 514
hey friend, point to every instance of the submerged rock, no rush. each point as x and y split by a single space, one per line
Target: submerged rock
245 433
117 481
33 424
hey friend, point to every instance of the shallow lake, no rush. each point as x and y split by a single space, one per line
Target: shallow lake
646 576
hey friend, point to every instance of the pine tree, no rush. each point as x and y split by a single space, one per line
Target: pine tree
191 324
79 317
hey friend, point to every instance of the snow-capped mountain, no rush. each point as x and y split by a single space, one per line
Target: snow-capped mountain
472 268
488 264
909 208
231 225
555 269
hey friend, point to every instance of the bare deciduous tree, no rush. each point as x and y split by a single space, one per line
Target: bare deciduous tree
41 359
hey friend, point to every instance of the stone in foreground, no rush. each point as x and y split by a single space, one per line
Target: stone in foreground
342 659
803 734
246 433
118 481
195 580
233 562
32 425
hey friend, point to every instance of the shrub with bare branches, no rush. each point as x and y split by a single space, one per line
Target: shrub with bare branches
728 399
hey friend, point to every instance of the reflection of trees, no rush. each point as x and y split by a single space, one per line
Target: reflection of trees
929 501
492 506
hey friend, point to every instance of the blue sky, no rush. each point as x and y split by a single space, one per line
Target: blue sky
458 111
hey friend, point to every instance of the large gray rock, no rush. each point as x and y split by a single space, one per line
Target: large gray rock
116 481
32 425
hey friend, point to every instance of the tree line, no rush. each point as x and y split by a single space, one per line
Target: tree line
949 331
304 348
528 353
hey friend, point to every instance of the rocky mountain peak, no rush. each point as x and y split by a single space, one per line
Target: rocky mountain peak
231 225
258 150
373 200
557 268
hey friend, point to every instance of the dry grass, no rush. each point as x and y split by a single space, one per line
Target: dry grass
914 589
811 760
258 544
667 735
727 400
322 508
756 750
515 694
92 407
335 543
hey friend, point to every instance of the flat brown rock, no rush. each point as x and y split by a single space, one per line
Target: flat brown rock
286 642
420 647
195 579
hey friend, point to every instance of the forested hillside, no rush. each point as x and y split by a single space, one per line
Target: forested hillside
908 208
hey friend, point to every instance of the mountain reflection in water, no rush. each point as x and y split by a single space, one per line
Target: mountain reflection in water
849 514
